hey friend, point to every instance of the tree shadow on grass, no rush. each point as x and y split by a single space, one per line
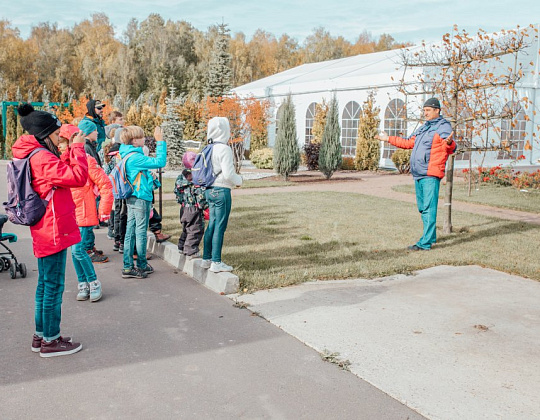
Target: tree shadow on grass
311 254
499 230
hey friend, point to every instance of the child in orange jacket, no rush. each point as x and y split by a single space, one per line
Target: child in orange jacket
98 183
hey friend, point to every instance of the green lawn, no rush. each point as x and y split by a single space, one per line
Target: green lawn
491 195
281 239
168 184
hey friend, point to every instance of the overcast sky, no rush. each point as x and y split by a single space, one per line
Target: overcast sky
411 20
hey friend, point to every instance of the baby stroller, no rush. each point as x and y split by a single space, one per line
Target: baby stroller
8 261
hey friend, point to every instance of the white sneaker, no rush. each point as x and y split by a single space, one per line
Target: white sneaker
194 256
84 291
95 291
206 263
220 266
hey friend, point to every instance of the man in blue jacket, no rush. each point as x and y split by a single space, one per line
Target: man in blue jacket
431 145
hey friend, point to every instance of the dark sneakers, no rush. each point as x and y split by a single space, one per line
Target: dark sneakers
416 248
97 258
133 273
148 269
59 347
36 342
116 246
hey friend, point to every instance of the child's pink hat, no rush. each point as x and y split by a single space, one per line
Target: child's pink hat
67 130
189 159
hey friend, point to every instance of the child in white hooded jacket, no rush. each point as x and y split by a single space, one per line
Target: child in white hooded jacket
218 195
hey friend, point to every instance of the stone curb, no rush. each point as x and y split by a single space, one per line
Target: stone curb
226 283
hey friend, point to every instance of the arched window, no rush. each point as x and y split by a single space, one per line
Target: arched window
349 128
513 131
395 124
310 119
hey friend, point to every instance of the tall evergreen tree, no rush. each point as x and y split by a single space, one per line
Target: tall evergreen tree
330 153
173 131
286 150
368 149
220 72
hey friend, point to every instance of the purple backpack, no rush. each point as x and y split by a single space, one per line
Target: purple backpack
24 205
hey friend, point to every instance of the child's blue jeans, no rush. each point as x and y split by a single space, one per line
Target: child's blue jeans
49 291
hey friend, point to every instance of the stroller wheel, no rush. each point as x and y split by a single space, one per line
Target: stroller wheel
13 271
22 270
2 265
6 263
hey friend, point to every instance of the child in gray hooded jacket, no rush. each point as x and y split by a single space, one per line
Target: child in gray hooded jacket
218 195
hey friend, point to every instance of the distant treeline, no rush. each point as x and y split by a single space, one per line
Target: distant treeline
149 56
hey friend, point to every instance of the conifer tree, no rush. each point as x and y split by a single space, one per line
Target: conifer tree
18 95
286 150
45 99
321 111
313 148
330 153
220 72
11 130
368 149
173 131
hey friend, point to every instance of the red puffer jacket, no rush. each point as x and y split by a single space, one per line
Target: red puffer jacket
85 197
58 229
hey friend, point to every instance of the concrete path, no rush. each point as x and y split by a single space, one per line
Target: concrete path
450 342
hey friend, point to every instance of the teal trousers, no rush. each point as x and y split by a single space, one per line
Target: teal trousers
427 198
219 203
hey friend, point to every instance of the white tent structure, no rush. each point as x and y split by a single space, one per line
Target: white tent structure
352 78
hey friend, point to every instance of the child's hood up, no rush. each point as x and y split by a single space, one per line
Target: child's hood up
219 130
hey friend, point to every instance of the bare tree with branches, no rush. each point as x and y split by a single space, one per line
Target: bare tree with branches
476 79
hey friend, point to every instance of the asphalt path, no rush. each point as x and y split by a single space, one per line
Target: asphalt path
165 347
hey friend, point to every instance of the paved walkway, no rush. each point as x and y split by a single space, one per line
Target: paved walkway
165 348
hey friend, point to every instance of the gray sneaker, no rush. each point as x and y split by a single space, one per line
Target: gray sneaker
133 273
206 264
148 269
84 291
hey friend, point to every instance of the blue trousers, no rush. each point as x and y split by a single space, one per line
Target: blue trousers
88 237
136 231
219 203
49 291
427 198
82 263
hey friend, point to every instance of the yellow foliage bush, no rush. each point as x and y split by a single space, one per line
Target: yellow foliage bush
402 160
263 158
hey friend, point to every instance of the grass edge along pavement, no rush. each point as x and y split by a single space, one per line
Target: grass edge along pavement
281 239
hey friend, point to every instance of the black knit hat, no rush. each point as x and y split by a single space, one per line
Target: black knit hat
433 103
40 124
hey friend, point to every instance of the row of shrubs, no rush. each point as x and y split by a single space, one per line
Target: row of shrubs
263 159
504 177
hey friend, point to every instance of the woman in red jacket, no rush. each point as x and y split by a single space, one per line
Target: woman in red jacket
52 178
98 183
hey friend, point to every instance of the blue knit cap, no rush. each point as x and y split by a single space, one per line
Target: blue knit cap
87 127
